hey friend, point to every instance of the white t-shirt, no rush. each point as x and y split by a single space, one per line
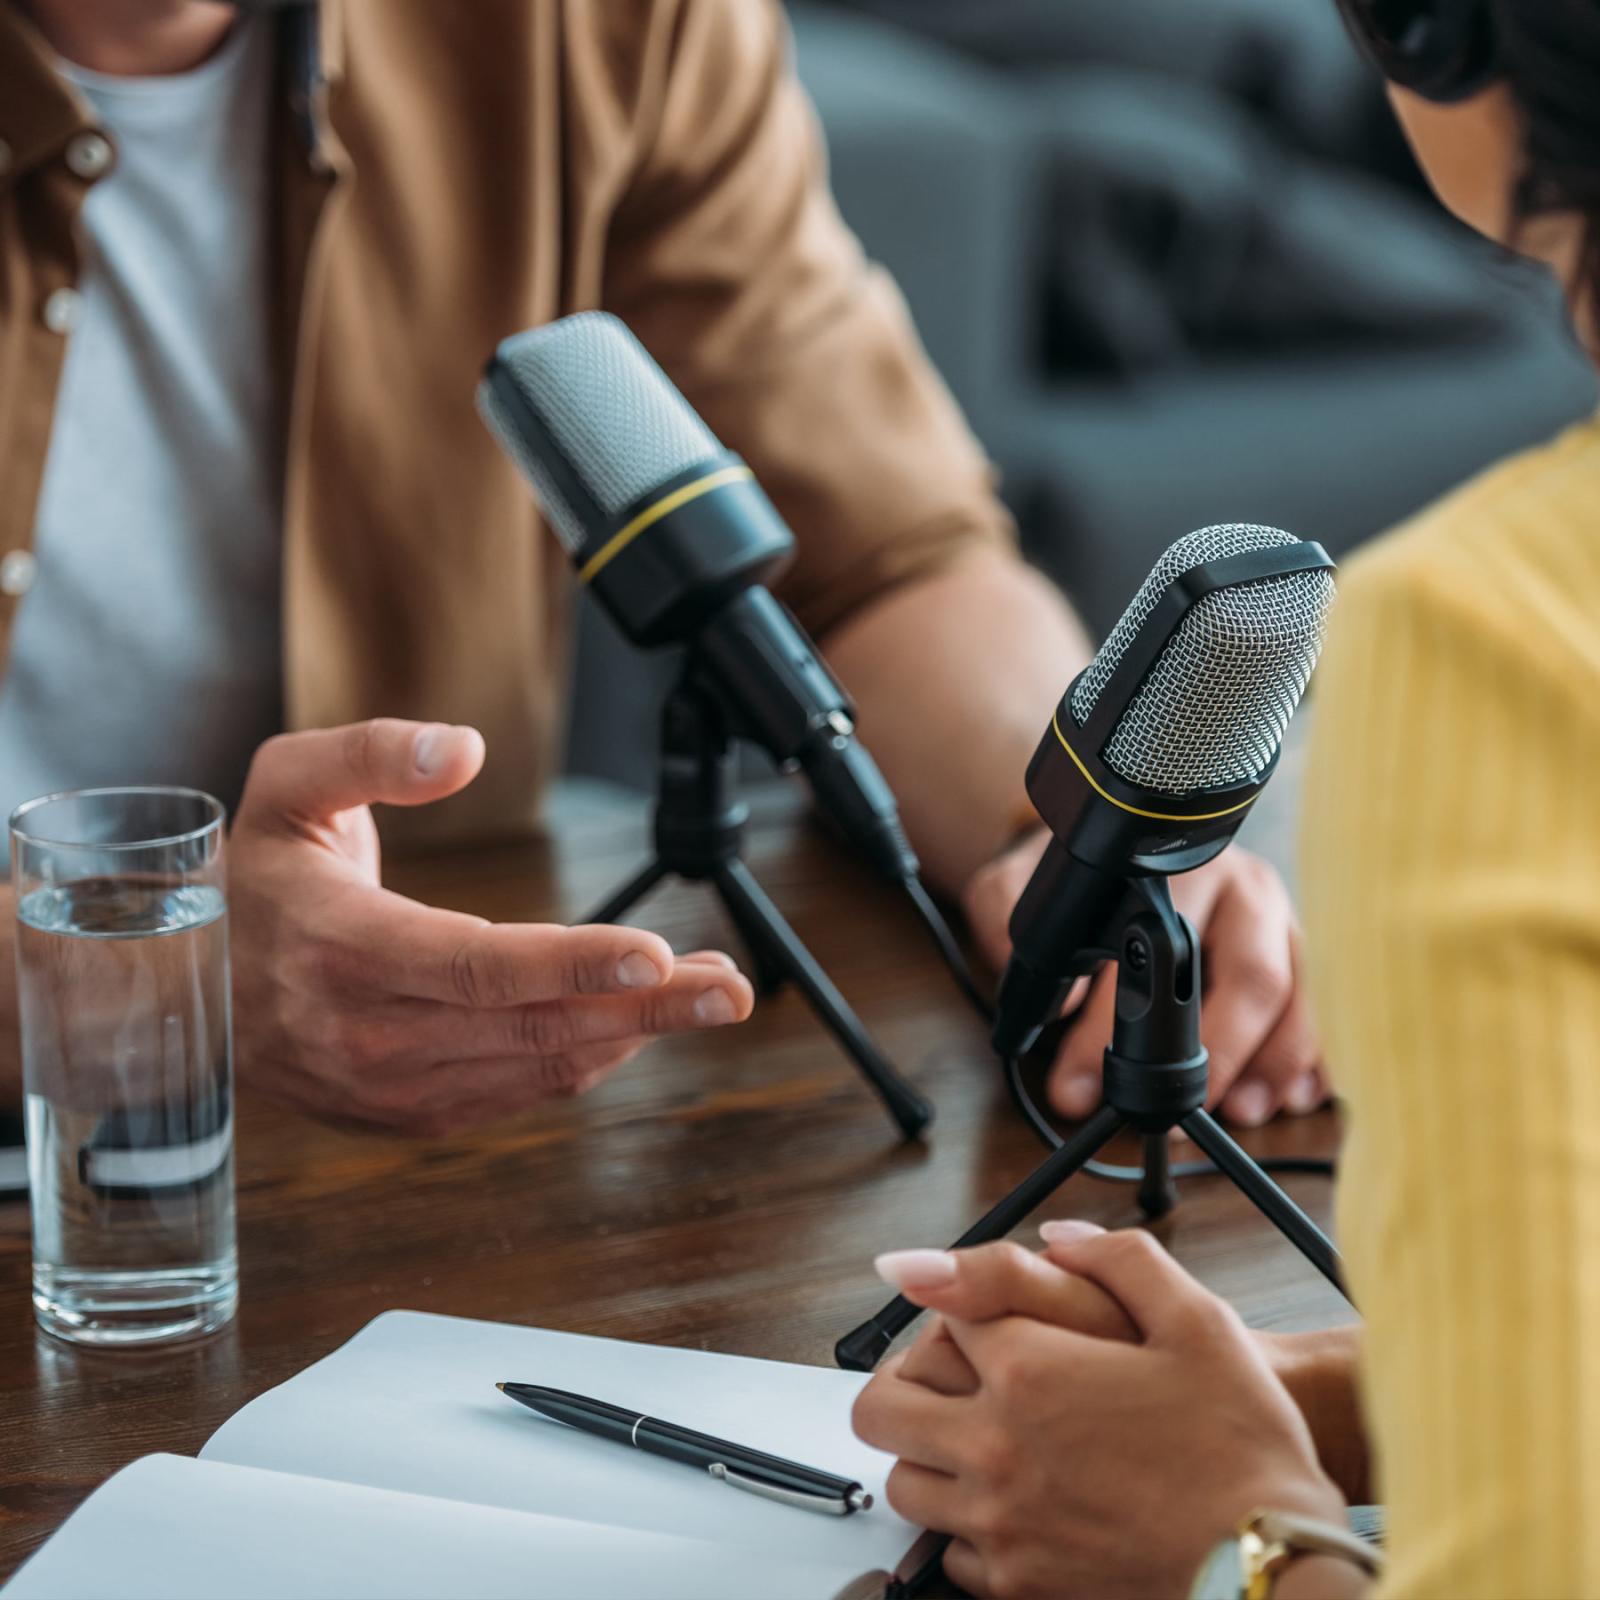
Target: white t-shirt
147 649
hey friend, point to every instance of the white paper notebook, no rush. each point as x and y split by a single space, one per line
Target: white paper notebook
393 1470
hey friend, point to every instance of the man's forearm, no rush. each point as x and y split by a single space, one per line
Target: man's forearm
955 678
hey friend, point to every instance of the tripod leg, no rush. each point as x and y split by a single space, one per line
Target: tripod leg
765 973
629 895
757 915
863 1348
1268 1198
1158 1194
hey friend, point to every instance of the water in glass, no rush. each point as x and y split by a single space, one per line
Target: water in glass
123 988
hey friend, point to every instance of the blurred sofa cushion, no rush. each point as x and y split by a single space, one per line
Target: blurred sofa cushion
1289 61
1179 228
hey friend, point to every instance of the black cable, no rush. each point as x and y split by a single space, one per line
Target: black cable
1041 1125
949 947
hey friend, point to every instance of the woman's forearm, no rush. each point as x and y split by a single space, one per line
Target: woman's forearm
1322 1578
1319 1370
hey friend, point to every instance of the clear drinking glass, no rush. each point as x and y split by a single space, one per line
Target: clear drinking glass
127 1056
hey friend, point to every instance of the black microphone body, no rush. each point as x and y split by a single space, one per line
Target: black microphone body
1057 928
784 698
678 543
1152 760
1159 749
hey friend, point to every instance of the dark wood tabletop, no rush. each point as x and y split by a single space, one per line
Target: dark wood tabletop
726 1192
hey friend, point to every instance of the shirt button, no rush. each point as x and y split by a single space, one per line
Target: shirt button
89 154
60 312
18 569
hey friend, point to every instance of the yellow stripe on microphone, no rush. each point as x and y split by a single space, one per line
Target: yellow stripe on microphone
1154 816
619 541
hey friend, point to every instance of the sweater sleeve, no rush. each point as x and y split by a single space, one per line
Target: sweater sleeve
731 263
1452 896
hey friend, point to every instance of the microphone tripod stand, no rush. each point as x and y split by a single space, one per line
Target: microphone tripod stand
1154 1080
699 832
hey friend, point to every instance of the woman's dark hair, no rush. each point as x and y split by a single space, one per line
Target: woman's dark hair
1549 54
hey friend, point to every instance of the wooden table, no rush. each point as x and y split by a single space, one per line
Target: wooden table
725 1192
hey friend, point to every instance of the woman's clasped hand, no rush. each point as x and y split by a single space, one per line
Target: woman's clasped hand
1089 1421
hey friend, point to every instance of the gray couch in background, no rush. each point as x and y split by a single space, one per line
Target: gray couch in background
1170 262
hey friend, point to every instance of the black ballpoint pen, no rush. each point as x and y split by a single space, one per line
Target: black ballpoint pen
733 1464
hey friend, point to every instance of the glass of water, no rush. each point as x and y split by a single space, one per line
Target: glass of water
127 1059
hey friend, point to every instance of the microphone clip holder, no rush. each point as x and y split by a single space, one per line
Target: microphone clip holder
699 834
1154 1080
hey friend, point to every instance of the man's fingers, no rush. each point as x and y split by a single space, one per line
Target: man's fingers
1003 1280
1285 1074
1074 1086
514 1084
1306 1094
988 907
1161 1299
304 779
458 1096
386 944
1251 975
699 994
1248 929
715 958
993 892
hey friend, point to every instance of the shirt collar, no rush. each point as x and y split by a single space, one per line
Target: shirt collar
39 112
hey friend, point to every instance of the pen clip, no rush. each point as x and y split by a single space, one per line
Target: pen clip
827 1505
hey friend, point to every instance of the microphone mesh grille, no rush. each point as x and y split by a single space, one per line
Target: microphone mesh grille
1214 709
612 412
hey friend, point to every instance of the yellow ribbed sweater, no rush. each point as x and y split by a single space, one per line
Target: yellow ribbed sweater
1452 899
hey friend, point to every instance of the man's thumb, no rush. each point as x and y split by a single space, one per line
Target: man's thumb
309 777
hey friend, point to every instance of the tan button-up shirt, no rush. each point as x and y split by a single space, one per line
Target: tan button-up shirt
450 174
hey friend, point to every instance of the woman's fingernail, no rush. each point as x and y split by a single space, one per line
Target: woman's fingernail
1303 1095
714 1009
916 1269
1250 1104
1068 1230
1077 1097
637 971
431 750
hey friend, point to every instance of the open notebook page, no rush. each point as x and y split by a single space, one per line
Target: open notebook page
410 1404
168 1528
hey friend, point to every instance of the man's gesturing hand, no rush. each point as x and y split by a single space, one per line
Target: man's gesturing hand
1265 1057
355 1002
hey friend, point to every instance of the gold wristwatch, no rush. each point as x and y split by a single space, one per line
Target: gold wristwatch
1247 1566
